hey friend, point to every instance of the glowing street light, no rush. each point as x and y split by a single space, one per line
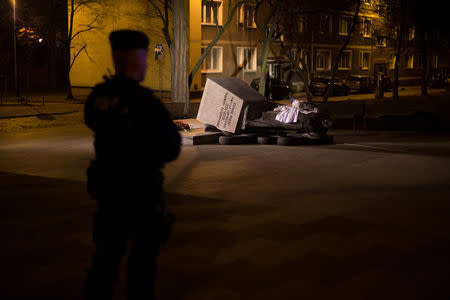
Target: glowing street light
15 49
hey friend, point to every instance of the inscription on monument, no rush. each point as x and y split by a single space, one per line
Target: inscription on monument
227 111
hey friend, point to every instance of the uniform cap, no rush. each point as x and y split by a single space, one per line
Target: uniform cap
128 39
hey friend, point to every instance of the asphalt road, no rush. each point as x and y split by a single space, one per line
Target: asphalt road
404 91
367 218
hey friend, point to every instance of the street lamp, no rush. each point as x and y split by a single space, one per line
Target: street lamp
15 49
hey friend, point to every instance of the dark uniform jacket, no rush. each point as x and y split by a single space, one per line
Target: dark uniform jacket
134 138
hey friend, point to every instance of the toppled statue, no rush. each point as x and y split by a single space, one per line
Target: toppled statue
301 117
230 106
289 114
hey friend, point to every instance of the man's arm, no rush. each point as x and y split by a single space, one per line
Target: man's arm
88 111
168 138
171 137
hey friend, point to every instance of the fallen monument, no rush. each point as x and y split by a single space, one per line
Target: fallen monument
228 102
231 106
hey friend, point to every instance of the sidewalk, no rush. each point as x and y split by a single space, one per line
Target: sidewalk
355 111
10 110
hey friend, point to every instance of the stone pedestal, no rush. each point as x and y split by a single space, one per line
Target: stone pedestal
227 103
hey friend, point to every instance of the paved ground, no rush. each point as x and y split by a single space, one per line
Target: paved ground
367 218
404 91
411 113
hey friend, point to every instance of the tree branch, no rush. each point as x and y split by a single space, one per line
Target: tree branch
219 33
341 50
75 56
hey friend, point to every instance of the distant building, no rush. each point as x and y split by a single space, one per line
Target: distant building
320 30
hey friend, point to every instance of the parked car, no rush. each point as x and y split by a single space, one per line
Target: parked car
275 89
319 86
387 83
361 84
437 80
383 69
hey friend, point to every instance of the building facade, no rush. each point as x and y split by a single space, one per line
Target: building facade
315 32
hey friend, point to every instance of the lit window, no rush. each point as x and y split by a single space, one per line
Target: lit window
435 61
304 57
344 25
250 14
274 71
247 15
410 61
214 61
323 59
246 58
241 14
301 24
411 33
382 10
381 41
419 61
392 62
345 63
365 60
296 58
325 23
293 54
210 9
366 28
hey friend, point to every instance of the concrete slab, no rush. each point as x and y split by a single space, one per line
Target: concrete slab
193 123
227 102
197 134
200 137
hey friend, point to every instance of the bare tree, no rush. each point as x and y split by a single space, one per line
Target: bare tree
172 15
232 8
269 29
341 50
396 22
74 46
292 15
163 10
179 53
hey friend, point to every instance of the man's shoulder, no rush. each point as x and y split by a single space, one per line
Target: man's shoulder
101 88
147 92
148 97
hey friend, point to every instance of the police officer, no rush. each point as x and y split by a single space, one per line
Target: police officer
134 138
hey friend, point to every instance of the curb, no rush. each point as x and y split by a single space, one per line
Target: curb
40 114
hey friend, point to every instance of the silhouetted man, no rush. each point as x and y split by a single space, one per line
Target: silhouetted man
134 138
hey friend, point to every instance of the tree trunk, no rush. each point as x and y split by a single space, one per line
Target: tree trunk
424 66
220 31
336 62
268 34
71 15
395 85
179 57
69 89
303 72
263 74
399 50
52 47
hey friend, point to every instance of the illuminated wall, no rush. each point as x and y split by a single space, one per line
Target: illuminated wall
195 40
113 15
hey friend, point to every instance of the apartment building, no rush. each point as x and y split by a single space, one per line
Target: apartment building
316 32
237 53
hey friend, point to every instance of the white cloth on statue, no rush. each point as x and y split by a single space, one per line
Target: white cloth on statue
304 107
287 114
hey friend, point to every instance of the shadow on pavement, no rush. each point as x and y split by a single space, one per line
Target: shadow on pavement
218 250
